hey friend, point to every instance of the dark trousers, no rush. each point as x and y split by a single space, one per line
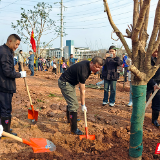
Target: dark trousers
19 64
125 73
31 67
112 85
54 70
5 104
40 66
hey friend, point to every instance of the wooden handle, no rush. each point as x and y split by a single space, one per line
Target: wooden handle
26 85
12 136
27 90
150 99
85 118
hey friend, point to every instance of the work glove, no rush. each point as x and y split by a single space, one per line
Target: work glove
84 108
23 74
1 130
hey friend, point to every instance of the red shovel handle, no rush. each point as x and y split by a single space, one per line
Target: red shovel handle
86 129
32 109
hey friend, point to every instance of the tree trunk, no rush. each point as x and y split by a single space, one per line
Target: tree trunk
137 118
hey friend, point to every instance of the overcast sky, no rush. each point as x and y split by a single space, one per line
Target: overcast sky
85 21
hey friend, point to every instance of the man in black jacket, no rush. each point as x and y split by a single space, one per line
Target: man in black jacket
151 86
7 79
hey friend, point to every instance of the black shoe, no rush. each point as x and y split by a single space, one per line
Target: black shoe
78 132
155 123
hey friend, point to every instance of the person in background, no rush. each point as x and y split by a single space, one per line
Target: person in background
54 68
125 67
71 60
39 63
64 65
31 63
110 76
152 85
129 62
20 60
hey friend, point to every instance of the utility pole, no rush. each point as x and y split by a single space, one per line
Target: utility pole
61 37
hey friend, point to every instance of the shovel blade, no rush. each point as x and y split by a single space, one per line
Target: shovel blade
91 137
40 145
33 115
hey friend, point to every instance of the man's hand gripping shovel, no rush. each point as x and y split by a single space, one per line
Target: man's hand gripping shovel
91 137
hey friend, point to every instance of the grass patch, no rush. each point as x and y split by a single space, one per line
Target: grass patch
39 100
52 95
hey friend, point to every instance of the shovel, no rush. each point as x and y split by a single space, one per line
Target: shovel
32 114
91 137
150 99
38 144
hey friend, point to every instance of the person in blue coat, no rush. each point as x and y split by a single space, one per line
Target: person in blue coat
31 63
125 67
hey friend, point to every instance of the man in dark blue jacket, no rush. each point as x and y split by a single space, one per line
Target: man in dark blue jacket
7 79
31 62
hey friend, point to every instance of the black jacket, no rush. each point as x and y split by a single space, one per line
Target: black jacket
109 71
7 71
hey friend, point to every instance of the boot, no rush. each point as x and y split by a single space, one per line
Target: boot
6 122
155 115
68 116
74 129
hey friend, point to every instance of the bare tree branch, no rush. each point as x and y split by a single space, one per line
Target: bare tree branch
116 30
153 36
48 44
140 75
140 21
135 13
112 36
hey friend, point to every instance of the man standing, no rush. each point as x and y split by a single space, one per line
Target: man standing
77 74
125 67
71 60
152 85
7 79
20 60
31 62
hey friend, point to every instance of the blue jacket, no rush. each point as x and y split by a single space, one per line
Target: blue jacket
124 61
109 71
31 59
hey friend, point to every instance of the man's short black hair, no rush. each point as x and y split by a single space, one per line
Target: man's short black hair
20 51
30 51
97 59
112 47
13 36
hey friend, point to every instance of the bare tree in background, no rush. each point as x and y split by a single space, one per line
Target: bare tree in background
40 22
141 64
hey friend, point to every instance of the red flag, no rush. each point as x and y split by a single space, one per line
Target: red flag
32 41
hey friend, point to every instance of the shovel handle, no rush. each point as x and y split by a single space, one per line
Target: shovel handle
85 118
12 136
26 86
150 99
